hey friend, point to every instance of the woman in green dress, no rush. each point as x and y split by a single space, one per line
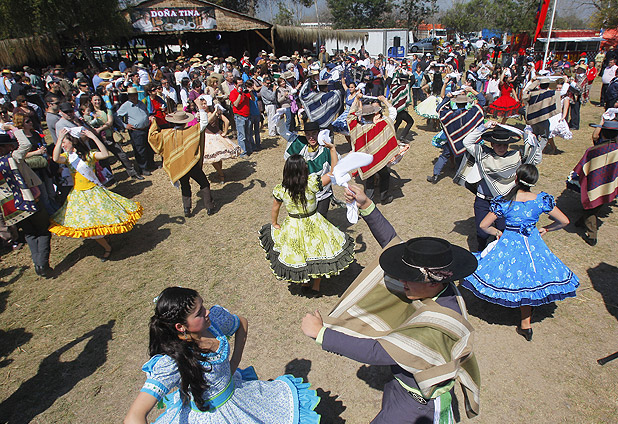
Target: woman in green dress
306 247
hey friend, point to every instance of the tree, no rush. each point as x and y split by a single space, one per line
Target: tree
568 22
284 16
502 15
417 11
605 15
359 13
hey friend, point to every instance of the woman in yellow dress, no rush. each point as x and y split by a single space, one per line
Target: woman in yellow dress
91 210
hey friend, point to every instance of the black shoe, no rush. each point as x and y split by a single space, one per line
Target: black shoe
146 172
137 177
591 241
187 212
106 256
386 199
41 271
211 211
432 179
527 333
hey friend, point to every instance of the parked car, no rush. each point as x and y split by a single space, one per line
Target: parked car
426 44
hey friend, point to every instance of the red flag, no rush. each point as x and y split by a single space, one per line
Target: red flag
541 14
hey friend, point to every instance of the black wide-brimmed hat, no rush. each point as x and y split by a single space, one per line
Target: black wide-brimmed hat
311 126
427 259
501 135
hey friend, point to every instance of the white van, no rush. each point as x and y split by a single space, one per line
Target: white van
440 34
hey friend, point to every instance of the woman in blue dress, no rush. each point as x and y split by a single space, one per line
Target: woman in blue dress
193 376
519 270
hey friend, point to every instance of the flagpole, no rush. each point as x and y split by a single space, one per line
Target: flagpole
551 26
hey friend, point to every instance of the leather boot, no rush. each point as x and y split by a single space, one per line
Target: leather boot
186 204
209 203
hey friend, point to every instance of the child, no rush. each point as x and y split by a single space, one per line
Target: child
520 270
91 211
191 352
306 246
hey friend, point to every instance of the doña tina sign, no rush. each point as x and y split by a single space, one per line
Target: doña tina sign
173 19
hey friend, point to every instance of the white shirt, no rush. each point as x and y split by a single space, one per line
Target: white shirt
170 93
390 69
143 77
179 75
608 74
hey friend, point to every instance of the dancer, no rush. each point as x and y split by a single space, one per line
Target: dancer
318 157
216 145
306 246
520 270
428 108
490 171
191 352
19 201
596 174
507 104
401 97
340 124
403 310
373 132
459 115
91 210
182 149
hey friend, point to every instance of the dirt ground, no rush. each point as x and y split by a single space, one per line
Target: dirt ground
72 347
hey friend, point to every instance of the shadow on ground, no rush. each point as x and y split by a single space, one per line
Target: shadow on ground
330 407
55 377
149 233
496 314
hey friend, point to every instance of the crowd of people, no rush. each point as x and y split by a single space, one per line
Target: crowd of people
405 306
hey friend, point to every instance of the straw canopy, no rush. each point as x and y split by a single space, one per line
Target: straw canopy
309 35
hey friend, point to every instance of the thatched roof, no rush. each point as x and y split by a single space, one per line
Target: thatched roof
310 35
35 50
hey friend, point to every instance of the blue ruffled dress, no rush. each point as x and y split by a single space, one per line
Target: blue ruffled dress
520 270
238 398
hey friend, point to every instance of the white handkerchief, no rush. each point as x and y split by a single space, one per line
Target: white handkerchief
341 177
324 136
75 131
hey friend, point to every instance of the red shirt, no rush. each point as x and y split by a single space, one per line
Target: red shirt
243 105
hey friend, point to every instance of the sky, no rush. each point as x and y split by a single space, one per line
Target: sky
565 8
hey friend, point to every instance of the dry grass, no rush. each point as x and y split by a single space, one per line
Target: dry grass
72 347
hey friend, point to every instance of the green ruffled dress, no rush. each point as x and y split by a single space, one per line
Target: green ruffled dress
307 245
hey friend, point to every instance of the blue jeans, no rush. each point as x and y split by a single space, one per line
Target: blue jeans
442 159
254 131
243 129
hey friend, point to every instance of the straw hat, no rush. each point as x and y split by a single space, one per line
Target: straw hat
370 110
131 90
106 75
116 74
230 59
284 59
179 117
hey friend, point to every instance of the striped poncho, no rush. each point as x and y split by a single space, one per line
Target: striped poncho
320 107
400 95
540 104
457 124
430 341
377 139
598 175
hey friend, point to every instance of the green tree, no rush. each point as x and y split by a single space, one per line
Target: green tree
606 13
284 16
417 11
568 22
503 15
359 13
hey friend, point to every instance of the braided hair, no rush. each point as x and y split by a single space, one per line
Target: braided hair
173 306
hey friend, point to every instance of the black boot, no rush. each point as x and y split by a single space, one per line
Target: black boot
209 203
186 204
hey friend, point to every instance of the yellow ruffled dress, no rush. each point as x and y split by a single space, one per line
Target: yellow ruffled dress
92 210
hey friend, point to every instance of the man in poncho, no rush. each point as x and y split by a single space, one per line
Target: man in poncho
405 311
